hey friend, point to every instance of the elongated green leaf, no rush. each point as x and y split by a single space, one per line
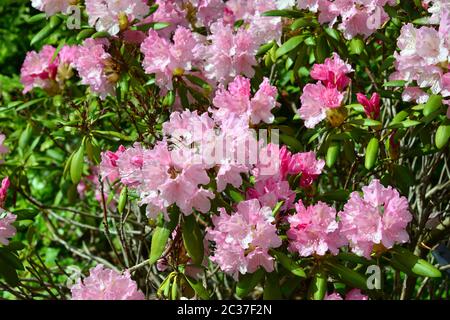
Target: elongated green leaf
289 45
409 263
289 264
77 164
332 153
433 104
193 239
347 275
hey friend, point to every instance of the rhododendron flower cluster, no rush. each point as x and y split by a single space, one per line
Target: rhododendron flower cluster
236 100
326 94
423 58
114 16
379 217
356 17
43 70
106 284
272 188
314 230
243 239
96 67
166 59
51 7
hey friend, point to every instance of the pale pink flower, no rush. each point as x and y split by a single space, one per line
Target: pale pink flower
107 15
314 230
231 53
166 59
39 69
7 230
415 94
269 192
243 239
130 163
316 100
169 11
92 64
108 167
237 100
332 72
306 164
51 7
371 106
106 284
379 217
208 11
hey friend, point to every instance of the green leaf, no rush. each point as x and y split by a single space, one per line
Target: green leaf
77 164
36 18
366 122
198 287
356 46
100 34
371 153
289 264
442 135
236 196
318 286
433 104
340 195
322 49
248 282
193 239
272 287
123 198
347 275
289 45
395 83
409 263
43 34
85 33
283 13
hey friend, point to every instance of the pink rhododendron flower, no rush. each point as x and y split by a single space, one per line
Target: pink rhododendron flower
371 106
269 192
7 230
306 164
380 216
4 191
314 230
357 16
230 53
114 16
316 100
166 59
237 100
244 238
39 70
108 167
51 7
354 294
332 72
96 68
423 52
106 284
169 11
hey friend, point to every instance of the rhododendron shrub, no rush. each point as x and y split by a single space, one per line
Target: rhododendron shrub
209 149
